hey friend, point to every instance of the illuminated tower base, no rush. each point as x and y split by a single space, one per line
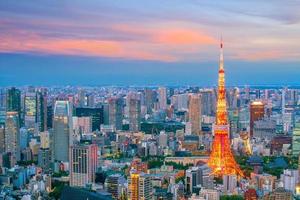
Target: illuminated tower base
221 159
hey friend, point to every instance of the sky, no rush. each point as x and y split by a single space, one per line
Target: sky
143 42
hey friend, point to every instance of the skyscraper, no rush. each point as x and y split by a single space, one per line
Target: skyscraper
192 179
134 115
62 130
83 164
149 100
30 110
2 139
139 186
82 101
13 102
162 98
2 106
44 154
90 98
208 102
114 184
115 112
257 112
296 140
195 113
12 135
41 111
221 159
283 100
96 115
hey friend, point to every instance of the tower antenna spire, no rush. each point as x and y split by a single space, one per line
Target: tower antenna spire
221 41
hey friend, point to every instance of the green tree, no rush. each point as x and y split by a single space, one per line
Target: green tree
231 197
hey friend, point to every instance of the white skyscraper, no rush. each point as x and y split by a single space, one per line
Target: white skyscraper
12 135
83 164
62 130
162 98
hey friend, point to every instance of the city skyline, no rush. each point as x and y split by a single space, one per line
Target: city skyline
149 100
134 43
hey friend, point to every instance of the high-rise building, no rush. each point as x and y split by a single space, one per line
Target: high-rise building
82 98
182 101
62 130
145 187
41 111
13 102
283 100
149 100
221 159
139 186
257 112
296 140
192 179
134 115
49 116
30 108
45 140
12 135
105 107
83 164
44 154
195 113
2 106
233 98
115 112
114 184
90 100
162 98
96 114
2 139
208 102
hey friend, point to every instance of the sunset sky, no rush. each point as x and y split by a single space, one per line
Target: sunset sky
146 42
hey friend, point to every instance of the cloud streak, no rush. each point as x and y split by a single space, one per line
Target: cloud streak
171 31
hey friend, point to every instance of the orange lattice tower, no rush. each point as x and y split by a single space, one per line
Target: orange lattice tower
221 159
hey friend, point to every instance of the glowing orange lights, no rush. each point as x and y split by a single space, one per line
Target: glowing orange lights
221 159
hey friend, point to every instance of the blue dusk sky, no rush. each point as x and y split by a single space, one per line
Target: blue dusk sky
143 42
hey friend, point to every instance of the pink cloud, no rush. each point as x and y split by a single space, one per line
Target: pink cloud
184 37
22 41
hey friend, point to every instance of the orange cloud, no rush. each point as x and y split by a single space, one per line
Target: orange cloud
184 37
168 35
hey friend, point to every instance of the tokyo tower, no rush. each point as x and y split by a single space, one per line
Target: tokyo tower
221 159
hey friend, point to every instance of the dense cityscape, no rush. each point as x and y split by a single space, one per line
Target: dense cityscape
149 100
159 143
